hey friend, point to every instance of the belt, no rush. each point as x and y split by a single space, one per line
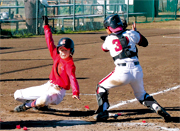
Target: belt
124 64
56 85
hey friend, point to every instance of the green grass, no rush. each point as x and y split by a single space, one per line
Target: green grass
23 33
15 34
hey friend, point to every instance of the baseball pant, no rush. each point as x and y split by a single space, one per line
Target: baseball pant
45 94
129 74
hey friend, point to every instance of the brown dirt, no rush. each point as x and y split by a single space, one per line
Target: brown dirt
26 62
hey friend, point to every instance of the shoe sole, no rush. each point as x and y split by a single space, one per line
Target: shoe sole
163 114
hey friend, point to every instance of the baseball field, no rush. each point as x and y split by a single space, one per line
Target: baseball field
26 62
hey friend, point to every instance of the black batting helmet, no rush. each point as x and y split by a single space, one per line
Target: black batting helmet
67 43
113 21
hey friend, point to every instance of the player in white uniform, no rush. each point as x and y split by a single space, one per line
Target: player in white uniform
121 44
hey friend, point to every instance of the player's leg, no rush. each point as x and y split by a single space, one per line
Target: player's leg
103 103
31 93
28 96
51 97
145 99
152 104
42 102
114 79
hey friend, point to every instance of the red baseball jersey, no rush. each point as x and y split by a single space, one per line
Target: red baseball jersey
63 70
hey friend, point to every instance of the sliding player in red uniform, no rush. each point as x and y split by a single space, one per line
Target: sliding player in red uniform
61 76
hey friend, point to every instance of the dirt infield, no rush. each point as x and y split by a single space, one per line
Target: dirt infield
26 62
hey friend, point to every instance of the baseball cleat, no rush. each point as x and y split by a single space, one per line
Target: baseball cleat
20 108
113 115
161 111
102 116
164 115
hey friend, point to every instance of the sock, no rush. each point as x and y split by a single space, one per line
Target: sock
105 106
31 104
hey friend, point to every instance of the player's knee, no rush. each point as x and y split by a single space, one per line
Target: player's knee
55 99
101 90
101 94
42 101
102 97
17 94
140 95
47 99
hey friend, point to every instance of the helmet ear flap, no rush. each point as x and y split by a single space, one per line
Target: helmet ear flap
72 51
57 49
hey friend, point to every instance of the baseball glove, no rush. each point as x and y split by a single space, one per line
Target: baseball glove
103 37
45 19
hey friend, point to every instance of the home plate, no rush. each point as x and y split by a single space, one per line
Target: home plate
74 122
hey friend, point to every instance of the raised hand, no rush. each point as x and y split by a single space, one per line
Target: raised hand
45 19
134 26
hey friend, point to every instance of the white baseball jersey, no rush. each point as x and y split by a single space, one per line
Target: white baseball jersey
130 73
112 44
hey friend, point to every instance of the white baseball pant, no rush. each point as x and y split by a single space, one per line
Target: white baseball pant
45 94
130 74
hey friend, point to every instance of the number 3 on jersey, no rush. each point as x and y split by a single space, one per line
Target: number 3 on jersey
118 45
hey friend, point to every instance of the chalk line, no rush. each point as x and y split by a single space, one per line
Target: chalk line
133 100
171 37
82 94
147 125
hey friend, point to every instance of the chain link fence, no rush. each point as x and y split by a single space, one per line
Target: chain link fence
24 17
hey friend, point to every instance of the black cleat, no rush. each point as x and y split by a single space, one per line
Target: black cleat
102 116
161 111
20 108
164 115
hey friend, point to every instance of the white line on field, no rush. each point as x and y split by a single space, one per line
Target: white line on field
129 101
171 37
82 94
132 100
165 44
171 44
147 125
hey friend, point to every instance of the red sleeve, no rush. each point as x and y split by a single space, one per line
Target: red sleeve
50 41
73 81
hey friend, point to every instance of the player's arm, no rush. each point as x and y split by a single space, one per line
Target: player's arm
49 39
143 41
104 45
104 49
73 81
103 37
